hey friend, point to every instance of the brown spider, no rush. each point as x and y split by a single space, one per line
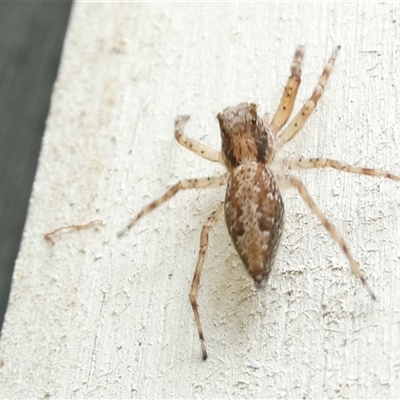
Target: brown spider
253 206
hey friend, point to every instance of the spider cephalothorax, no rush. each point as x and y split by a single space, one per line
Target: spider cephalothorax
244 136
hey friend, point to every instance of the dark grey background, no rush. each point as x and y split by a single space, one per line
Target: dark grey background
31 40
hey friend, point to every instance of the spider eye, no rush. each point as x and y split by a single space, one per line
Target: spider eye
253 120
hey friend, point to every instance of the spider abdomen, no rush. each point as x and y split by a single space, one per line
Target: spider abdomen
254 215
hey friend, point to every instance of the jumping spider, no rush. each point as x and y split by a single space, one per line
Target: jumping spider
253 206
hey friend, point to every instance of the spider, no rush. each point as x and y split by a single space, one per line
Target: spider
253 206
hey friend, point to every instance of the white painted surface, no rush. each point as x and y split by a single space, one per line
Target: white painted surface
98 317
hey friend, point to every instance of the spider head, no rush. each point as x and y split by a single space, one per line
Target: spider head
245 137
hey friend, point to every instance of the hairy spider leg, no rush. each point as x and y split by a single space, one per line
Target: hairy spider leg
300 119
288 98
197 148
200 183
288 181
281 164
211 221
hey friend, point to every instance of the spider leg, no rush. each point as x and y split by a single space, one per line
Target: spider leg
211 221
288 98
335 234
309 163
300 119
200 183
197 148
